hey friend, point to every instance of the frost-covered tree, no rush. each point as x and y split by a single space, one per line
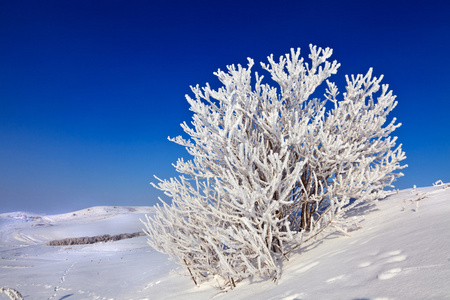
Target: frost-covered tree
273 166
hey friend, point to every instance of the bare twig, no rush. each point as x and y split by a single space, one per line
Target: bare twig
192 276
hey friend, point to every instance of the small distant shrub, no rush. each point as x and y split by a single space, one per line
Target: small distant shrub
93 239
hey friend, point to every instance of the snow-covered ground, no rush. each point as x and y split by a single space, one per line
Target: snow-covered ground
400 251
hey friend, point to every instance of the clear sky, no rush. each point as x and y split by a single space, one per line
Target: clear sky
90 90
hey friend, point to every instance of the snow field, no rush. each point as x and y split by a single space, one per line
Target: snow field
399 251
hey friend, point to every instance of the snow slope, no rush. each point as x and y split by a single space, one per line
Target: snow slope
400 251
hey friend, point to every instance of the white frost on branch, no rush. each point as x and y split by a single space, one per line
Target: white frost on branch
11 293
438 183
272 166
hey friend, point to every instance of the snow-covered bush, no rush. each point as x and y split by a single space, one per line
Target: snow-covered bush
273 166
11 293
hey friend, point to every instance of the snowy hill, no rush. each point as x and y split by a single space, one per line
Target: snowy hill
399 251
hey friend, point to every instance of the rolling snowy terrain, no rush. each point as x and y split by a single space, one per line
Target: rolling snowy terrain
400 250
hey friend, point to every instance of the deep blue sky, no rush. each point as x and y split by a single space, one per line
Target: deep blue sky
90 90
